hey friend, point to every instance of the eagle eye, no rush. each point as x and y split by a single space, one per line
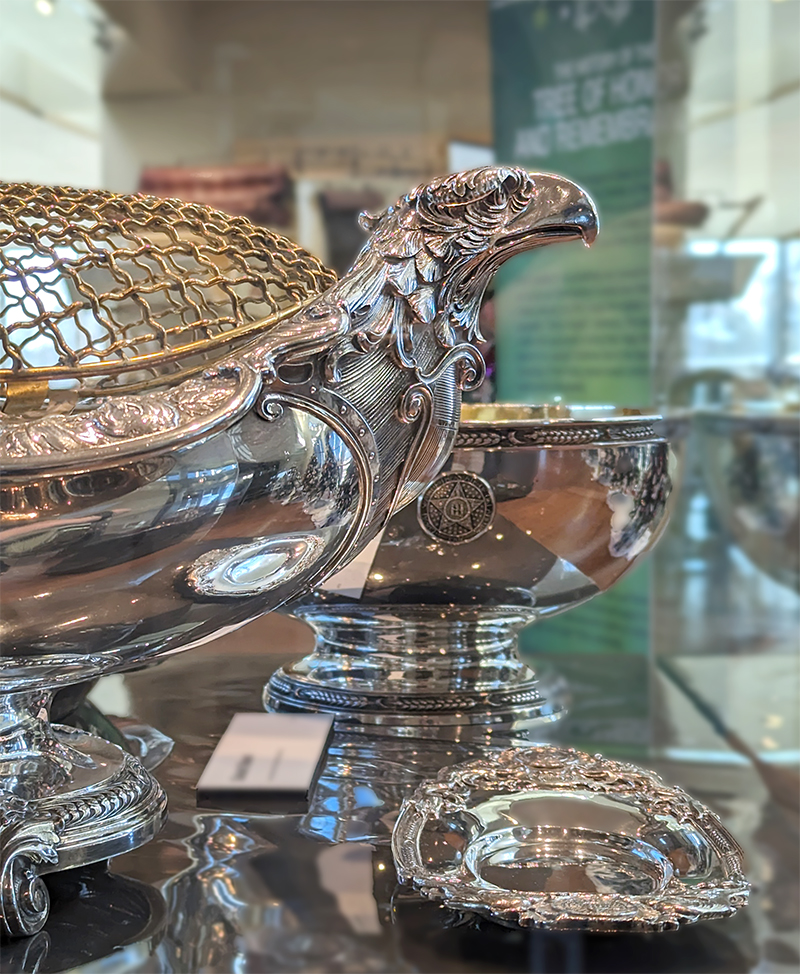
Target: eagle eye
510 184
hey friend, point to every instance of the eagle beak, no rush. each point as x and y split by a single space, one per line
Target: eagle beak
559 210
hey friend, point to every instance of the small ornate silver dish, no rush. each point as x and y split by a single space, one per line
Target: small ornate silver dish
552 837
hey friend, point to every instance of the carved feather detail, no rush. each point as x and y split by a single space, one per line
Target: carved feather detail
431 255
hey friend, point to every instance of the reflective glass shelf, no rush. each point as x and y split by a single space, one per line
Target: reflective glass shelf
223 891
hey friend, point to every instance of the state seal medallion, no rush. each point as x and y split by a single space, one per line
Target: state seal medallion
456 507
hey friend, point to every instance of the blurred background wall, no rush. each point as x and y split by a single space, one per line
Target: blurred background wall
360 98
313 84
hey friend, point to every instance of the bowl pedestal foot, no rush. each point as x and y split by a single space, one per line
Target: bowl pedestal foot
67 798
415 671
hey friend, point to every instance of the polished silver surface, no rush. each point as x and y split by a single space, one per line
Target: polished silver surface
751 460
146 507
537 510
136 532
555 838
68 798
129 426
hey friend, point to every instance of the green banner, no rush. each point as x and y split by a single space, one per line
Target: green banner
574 85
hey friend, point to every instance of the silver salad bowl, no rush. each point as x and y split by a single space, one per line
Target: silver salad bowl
537 510
200 423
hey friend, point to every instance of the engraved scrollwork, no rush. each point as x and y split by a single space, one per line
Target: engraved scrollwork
415 402
416 406
470 370
470 367
271 410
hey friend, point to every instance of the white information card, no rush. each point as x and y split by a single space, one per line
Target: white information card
269 756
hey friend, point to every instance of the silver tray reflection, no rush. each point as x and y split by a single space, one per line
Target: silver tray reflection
552 837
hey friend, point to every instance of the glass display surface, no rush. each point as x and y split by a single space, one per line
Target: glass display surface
725 619
229 891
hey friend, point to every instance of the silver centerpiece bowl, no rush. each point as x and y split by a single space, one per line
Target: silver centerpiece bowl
200 423
537 510
751 460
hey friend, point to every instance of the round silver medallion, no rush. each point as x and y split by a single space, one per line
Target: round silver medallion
456 507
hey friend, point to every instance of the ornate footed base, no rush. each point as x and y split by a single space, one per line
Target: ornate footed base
68 798
415 671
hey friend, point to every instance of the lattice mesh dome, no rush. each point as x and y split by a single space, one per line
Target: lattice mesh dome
101 292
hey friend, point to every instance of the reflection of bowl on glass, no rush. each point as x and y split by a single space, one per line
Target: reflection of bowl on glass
121 922
258 895
364 780
752 466
538 510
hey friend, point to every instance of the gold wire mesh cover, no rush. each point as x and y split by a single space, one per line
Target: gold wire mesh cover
102 292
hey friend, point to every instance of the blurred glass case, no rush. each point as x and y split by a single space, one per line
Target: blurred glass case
726 341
